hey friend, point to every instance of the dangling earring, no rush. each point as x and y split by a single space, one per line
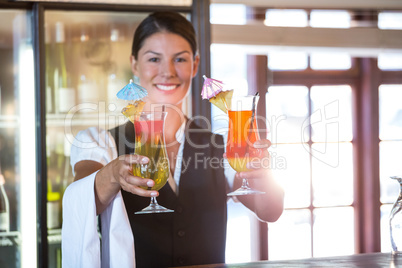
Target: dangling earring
136 79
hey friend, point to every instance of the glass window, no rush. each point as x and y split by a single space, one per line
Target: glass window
390 61
332 173
291 166
385 234
286 18
390 165
331 118
390 112
240 246
17 142
287 60
390 20
330 19
337 226
227 14
330 61
287 116
290 236
87 63
390 117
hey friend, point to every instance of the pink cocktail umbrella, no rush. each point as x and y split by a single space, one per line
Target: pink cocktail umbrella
211 87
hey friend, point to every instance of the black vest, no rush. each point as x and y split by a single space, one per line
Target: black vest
196 232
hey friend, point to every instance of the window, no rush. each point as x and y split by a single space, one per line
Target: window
316 101
390 112
312 137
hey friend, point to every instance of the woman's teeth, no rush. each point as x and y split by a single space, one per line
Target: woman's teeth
166 88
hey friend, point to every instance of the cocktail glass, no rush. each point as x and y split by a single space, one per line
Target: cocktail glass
150 142
243 132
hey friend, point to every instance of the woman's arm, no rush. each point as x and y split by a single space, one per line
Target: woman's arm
114 176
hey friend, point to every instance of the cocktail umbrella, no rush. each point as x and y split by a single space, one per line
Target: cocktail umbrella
211 87
132 92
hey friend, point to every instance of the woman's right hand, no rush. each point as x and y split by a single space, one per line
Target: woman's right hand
120 173
114 176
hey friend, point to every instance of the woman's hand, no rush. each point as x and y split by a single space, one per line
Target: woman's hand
114 176
120 173
260 164
268 206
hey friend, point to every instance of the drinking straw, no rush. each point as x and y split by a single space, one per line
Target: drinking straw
158 146
252 119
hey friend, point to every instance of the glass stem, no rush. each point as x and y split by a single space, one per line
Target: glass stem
153 201
244 184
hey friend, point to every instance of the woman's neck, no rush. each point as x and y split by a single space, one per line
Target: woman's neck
174 119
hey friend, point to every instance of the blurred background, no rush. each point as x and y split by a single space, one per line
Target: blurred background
330 77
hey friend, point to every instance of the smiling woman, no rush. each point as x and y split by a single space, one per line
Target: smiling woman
164 58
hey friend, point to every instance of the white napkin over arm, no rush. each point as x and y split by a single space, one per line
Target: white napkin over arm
80 239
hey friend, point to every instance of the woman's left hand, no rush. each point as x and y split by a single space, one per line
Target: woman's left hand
268 206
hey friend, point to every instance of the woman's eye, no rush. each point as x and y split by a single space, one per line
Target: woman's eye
181 60
153 59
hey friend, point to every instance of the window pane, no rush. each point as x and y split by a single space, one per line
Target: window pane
289 60
290 234
239 244
291 166
330 19
390 61
390 165
332 173
331 118
288 18
333 232
385 236
390 20
18 162
227 14
390 112
287 116
330 61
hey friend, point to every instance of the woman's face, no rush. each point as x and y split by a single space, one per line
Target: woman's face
165 66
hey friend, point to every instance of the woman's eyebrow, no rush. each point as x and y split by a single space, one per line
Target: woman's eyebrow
182 52
157 53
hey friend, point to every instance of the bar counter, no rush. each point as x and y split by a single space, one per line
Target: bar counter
367 260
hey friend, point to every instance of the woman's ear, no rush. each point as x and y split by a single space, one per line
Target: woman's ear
196 64
134 65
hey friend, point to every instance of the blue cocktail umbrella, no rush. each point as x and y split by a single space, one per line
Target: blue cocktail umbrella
132 91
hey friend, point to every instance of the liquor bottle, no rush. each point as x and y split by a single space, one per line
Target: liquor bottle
64 92
115 81
87 93
4 208
53 207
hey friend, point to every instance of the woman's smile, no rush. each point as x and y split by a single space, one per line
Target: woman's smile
167 87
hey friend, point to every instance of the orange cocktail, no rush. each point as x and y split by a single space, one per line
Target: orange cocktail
242 134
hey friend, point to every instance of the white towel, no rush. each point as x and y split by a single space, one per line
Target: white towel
80 238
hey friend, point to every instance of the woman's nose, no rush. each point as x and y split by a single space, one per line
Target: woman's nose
168 69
